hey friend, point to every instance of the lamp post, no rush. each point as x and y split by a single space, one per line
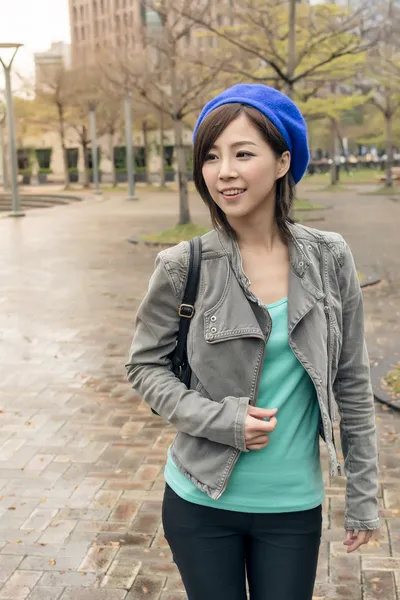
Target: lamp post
3 148
93 134
7 55
129 147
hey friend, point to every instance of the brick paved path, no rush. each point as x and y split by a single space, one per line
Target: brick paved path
80 456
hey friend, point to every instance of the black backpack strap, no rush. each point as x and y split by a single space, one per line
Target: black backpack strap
186 309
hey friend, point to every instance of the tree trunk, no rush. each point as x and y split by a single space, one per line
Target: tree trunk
146 149
162 153
184 214
291 48
389 149
334 165
85 146
111 153
61 124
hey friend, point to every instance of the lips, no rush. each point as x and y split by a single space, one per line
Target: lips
232 193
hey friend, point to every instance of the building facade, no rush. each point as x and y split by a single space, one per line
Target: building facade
100 24
50 61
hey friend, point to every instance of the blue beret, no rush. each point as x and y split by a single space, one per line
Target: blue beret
279 109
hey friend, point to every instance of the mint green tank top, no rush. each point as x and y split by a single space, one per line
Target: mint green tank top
285 476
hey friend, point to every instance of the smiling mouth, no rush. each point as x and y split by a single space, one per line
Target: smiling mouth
233 193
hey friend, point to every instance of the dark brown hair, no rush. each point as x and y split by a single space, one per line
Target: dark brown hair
210 129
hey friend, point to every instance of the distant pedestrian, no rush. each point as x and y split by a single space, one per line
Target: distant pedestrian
276 342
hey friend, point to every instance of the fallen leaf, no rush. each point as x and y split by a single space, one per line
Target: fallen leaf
52 562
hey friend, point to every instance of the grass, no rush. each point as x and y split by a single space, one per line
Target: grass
383 191
176 234
392 381
358 177
180 233
301 204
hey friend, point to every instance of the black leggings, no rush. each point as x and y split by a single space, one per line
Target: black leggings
214 549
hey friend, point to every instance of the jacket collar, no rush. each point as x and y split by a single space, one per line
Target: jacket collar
299 260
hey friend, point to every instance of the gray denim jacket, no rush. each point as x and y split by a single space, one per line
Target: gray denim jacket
226 346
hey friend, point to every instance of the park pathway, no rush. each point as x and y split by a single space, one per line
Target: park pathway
81 457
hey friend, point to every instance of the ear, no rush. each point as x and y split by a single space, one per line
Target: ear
283 164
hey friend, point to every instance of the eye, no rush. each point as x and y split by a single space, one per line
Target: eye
210 157
244 154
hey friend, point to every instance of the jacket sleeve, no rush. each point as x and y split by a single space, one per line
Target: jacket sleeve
150 370
354 395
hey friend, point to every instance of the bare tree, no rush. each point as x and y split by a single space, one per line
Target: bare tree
168 77
291 46
55 90
381 78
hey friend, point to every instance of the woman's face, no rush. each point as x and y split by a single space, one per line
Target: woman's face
241 170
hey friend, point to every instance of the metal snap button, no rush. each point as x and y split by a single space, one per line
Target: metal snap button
213 330
300 245
213 319
309 247
301 264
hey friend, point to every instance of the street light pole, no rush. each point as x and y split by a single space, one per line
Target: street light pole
16 212
129 147
3 153
95 162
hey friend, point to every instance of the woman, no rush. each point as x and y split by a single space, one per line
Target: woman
276 340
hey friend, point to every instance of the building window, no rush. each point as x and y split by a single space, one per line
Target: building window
117 4
102 6
117 22
96 28
83 33
82 13
126 19
75 13
76 33
95 8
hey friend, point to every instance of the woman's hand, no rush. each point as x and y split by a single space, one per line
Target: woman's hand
256 428
356 539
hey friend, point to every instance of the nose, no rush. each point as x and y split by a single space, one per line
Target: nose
227 170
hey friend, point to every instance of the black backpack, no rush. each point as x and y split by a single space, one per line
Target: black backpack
186 310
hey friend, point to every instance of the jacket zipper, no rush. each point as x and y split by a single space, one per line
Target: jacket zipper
333 458
329 381
253 397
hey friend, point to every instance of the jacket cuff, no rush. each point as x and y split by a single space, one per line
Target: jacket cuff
361 525
241 414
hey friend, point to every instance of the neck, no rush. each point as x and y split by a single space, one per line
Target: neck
258 230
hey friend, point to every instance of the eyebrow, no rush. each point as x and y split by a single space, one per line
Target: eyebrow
236 144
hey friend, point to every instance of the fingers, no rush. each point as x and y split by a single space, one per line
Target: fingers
263 426
256 446
260 441
356 539
261 413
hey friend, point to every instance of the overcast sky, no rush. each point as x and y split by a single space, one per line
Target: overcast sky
34 23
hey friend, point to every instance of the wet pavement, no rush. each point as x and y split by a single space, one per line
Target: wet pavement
81 457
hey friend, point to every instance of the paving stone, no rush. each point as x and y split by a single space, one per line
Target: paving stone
146 588
57 532
8 564
121 577
20 585
69 579
98 559
125 511
41 592
74 594
40 519
55 563
379 585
